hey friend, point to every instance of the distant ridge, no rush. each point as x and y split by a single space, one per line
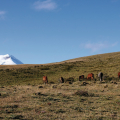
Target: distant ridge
9 60
95 57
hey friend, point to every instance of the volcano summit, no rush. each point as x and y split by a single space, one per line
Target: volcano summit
9 60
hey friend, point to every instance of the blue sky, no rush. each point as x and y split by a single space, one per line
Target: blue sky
46 31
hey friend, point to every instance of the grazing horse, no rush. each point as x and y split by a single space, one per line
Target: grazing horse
61 80
119 75
90 76
100 75
81 77
45 79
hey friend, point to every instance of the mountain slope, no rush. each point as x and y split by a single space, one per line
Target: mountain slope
9 60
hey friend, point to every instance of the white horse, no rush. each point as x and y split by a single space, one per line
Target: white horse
100 75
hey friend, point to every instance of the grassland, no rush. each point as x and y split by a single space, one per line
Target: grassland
24 96
109 64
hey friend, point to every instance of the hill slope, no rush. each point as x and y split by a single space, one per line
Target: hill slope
108 63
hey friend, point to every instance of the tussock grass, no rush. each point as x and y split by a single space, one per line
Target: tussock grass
65 101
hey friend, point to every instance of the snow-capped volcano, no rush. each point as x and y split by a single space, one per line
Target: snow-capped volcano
9 60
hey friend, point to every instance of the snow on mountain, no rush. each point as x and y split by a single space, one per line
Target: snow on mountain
9 60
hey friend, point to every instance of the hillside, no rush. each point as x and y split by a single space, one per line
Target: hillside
24 96
108 63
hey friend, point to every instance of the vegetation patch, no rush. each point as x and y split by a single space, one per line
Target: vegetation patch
82 93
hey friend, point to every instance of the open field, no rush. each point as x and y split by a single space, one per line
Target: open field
77 101
24 96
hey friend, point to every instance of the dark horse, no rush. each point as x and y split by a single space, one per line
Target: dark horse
81 77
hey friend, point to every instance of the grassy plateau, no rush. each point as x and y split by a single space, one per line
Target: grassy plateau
23 95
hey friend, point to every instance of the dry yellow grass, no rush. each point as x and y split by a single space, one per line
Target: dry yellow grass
59 101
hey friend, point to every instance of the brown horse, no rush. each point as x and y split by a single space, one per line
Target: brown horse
90 76
45 79
118 74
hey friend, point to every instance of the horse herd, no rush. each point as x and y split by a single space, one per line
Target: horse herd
61 79
89 76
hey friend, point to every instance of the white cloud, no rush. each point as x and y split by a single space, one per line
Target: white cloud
2 13
94 47
45 5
